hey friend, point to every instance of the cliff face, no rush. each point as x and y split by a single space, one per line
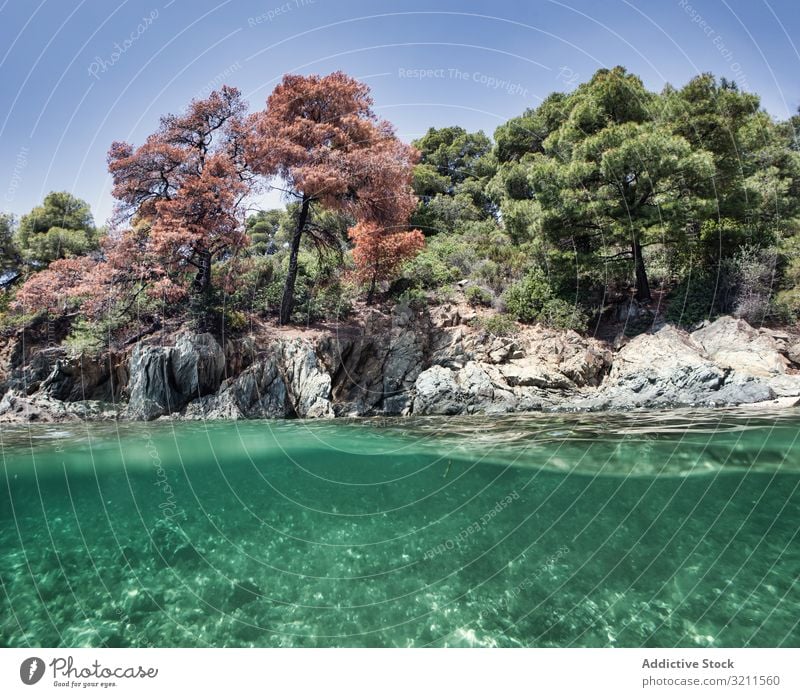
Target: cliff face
404 363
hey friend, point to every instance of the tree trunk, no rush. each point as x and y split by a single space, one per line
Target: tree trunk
372 288
202 281
287 302
642 284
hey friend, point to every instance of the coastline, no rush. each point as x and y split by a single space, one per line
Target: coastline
406 362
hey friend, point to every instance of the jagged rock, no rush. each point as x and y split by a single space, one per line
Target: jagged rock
404 361
21 408
785 385
534 374
258 393
80 377
437 392
657 370
793 353
197 363
733 344
308 385
151 393
164 378
474 389
742 391
448 349
584 361
408 361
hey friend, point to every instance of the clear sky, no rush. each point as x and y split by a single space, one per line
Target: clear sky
68 90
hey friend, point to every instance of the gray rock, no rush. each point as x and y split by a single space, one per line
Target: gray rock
163 379
257 393
733 344
742 391
197 363
308 385
437 392
41 408
666 368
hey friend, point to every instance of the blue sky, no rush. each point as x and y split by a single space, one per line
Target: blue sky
68 91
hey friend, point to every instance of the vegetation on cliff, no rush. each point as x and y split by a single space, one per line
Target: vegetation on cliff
608 204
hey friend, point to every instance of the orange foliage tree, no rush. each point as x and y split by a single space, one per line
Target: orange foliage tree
189 181
378 253
125 269
185 187
321 138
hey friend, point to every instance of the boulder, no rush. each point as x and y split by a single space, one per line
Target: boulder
476 388
733 344
17 407
197 363
257 393
437 392
163 379
657 370
308 384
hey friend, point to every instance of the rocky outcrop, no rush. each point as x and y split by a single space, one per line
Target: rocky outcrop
308 385
163 379
410 362
735 345
41 408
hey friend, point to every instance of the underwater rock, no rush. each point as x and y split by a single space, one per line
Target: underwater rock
170 544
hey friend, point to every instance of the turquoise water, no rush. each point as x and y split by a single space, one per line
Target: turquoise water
676 529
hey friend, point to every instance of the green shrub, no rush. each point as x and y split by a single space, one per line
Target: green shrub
532 300
478 295
332 301
413 297
251 281
428 270
787 306
91 337
499 325
693 300
560 314
236 321
525 299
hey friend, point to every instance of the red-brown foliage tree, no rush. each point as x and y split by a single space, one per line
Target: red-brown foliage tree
188 181
378 253
320 136
112 282
52 289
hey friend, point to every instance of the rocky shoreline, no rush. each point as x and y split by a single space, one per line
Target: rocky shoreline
408 362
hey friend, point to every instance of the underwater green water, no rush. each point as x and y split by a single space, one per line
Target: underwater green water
660 529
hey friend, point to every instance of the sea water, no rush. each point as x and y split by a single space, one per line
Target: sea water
643 529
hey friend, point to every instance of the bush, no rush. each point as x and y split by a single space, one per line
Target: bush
532 300
413 297
526 299
559 314
751 273
236 321
252 278
693 300
91 337
332 301
478 295
499 325
429 270
787 306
